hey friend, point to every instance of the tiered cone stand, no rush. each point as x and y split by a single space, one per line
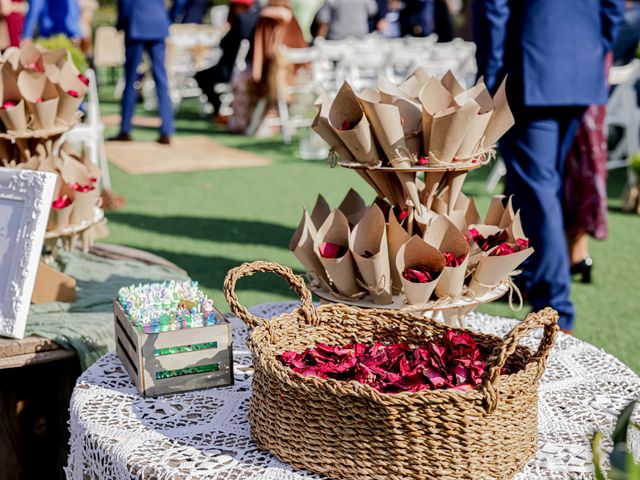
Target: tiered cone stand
422 245
41 93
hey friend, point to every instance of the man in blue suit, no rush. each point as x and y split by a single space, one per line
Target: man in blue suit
553 53
146 25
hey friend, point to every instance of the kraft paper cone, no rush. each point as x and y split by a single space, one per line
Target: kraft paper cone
389 185
341 271
515 230
85 203
431 184
501 118
439 206
410 113
321 210
434 98
68 105
368 244
472 216
387 128
479 123
358 140
508 214
364 174
54 57
35 86
10 90
69 79
14 118
423 219
414 253
415 82
492 270
73 171
474 250
302 246
455 180
11 56
59 218
408 181
457 218
496 210
31 56
450 82
353 207
322 127
396 237
449 129
446 237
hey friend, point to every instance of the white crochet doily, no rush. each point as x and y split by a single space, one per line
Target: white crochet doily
117 434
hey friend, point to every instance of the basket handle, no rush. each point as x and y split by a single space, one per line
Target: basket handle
547 318
248 269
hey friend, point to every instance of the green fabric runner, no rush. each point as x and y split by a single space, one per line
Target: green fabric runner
87 325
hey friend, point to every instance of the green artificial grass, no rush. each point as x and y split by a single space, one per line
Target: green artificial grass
208 222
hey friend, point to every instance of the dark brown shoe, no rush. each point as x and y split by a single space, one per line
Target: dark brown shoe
164 140
121 137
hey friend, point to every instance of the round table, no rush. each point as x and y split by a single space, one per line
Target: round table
116 433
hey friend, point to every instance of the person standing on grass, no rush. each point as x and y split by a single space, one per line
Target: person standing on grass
553 53
145 24
46 18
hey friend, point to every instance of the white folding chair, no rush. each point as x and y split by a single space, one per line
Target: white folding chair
90 133
218 15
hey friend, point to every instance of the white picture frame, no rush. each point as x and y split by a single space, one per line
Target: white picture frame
25 202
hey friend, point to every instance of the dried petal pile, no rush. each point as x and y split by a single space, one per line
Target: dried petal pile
452 361
419 274
506 249
489 242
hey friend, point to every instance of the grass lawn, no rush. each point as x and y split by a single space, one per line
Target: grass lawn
208 222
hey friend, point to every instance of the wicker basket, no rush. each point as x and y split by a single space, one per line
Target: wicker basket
348 430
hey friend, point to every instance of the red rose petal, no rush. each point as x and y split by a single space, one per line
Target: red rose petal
332 250
61 202
73 93
83 79
418 274
8 104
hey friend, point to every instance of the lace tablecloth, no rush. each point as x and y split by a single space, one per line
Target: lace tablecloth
117 434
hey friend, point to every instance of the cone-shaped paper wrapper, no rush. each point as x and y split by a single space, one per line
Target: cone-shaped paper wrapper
364 173
341 271
84 204
353 207
31 56
322 127
396 237
416 252
455 180
387 127
515 229
410 113
42 98
69 79
54 56
434 98
446 237
501 118
496 210
67 107
408 181
462 202
449 129
73 171
508 215
368 244
450 82
321 210
415 82
432 182
474 250
11 56
492 270
479 123
347 110
390 185
302 246
423 219
472 216
10 90
439 205
59 218
14 118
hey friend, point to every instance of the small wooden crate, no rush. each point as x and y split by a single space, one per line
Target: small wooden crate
148 368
